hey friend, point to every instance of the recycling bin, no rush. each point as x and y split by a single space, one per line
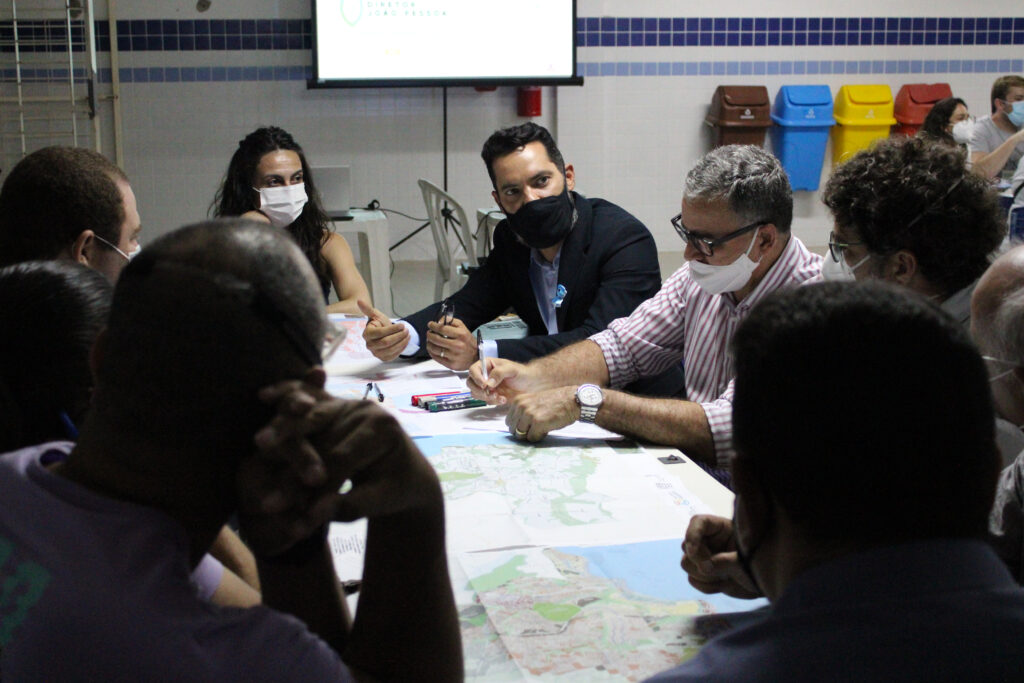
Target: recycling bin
739 115
803 119
863 114
913 102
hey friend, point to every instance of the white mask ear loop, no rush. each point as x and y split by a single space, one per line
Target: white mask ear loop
753 240
993 359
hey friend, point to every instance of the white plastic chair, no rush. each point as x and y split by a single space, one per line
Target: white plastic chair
448 276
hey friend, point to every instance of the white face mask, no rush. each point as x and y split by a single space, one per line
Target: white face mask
283 204
962 131
727 278
841 271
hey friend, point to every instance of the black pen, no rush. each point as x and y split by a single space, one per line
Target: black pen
380 394
369 386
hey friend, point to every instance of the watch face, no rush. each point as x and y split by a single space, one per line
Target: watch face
589 395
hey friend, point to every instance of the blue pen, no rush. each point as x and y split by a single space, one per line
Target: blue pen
450 398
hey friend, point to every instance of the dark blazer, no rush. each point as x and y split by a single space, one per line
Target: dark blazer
608 265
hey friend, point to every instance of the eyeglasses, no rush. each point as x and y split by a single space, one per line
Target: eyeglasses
707 246
837 248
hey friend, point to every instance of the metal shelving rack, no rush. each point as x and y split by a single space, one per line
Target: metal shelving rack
47 77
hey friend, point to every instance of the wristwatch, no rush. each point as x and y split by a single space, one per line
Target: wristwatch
589 398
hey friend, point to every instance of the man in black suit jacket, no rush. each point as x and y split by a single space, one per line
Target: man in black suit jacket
568 265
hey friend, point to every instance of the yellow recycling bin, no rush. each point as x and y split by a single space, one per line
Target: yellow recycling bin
863 113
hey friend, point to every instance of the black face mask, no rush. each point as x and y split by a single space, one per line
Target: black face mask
544 222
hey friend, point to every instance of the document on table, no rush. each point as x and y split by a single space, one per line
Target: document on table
352 356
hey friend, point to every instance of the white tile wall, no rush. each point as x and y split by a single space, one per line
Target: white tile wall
631 139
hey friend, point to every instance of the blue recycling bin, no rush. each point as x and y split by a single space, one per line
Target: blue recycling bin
803 118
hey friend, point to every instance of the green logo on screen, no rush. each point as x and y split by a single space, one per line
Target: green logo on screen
351 11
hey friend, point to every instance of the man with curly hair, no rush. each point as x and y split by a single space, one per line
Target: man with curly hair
908 211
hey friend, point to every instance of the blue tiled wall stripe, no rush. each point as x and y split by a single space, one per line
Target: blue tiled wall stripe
208 74
800 67
799 31
141 35
169 35
205 74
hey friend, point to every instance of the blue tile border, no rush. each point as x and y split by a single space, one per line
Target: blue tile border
184 35
798 31
167 35
800 67
204 74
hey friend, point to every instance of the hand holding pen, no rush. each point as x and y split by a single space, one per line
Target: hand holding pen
449 341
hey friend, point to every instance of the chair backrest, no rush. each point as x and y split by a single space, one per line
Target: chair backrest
435 200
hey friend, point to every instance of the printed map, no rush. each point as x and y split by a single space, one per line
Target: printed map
571 612
565 491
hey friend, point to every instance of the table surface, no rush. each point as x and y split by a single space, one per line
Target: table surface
564 555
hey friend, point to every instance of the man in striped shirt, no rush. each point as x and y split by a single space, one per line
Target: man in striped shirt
735 216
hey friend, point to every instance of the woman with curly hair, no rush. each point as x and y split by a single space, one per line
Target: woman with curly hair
269 180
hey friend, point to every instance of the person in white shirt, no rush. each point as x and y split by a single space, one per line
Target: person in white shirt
997 140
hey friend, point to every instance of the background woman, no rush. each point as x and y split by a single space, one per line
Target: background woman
941 122
268 179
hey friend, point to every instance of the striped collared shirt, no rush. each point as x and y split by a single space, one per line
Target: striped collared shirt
683 322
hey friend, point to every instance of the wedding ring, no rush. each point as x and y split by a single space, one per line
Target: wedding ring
519 434
442 353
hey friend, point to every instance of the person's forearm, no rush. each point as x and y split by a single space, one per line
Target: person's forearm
672 422
310 592
234 592
349 306
991 164
406 627
579 363
236 556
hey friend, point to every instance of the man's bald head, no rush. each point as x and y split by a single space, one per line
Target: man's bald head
997 325
997 307
200 321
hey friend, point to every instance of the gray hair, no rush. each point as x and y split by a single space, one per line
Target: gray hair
1002 333
749 179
